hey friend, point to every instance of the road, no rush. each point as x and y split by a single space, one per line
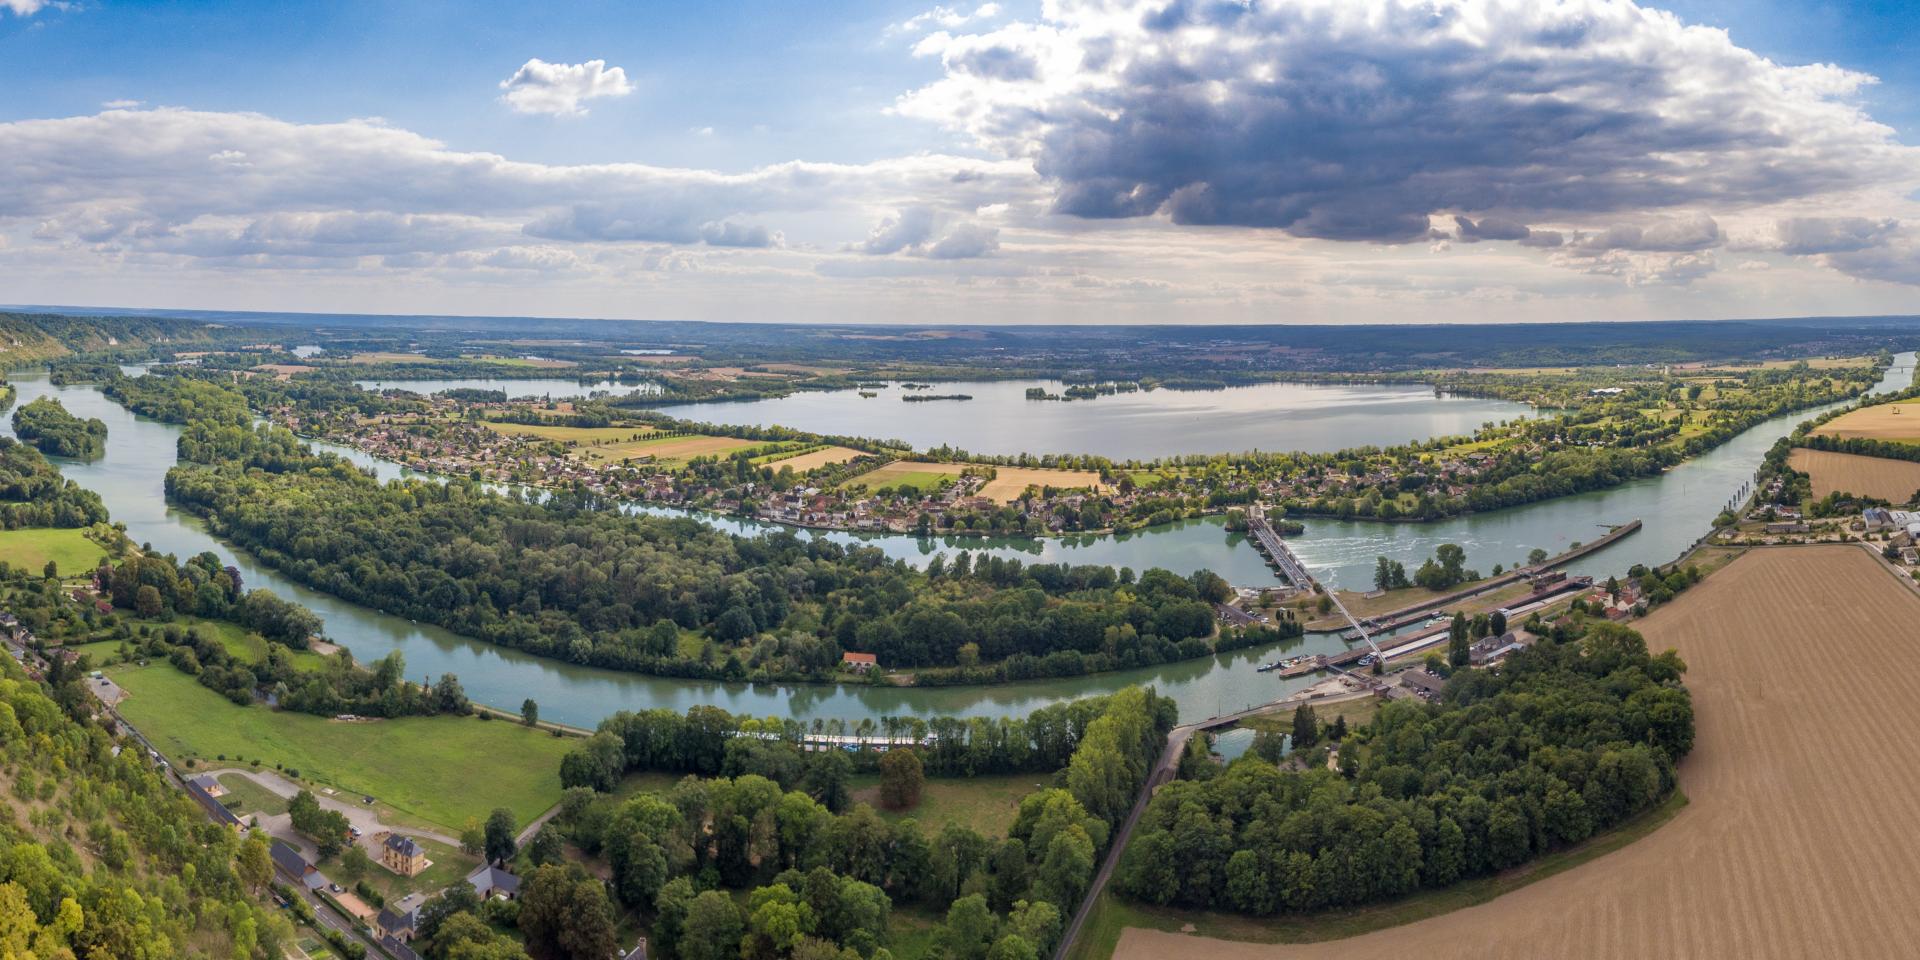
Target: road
359 815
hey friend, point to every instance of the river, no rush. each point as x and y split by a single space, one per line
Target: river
1677 508
1000 420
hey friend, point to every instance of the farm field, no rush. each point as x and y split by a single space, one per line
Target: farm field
423 767
1784 850
1009 482
31 548
1891 480
816 459
924 477
1886 421
667 449
580 435
384 357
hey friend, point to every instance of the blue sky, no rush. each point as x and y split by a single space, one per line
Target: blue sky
1149 161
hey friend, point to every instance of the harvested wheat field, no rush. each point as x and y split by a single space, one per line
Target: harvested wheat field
815 459
1891 480
1885 421
1804 781
1009 482
663 449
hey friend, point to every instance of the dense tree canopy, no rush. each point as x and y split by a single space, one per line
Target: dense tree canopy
1565 740
46 424
34 494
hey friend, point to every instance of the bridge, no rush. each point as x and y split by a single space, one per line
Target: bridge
1276 551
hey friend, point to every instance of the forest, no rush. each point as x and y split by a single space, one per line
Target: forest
34 494
821 875
1566 740
47 425
105 857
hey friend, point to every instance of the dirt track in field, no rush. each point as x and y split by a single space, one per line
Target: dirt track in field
1805 787
1891 480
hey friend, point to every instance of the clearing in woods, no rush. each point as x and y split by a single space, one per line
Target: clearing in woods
1806 764
1009 482
1891 480
1883 421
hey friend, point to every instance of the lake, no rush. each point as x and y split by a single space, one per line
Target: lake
999 420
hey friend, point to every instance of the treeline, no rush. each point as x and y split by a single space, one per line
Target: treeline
81 370
707 741
46 424
34 494
115 861
1566 740
1864 447
824 875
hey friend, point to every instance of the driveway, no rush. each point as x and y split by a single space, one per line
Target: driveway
359 815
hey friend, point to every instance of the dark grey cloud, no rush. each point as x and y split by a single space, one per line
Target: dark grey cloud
1811 235
1490 228
1360 119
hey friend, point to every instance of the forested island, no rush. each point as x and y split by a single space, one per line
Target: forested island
47 425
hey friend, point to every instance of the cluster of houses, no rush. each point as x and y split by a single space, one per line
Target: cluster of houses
1487 652
1902 528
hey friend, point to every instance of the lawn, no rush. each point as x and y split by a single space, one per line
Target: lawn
246 798
447 867
31 548
985 803
440 770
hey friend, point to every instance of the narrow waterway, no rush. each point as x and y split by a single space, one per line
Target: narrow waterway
1677 507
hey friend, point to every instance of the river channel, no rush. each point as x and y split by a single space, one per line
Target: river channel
1677 508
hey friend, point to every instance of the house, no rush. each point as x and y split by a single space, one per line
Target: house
1423 684
859 662
294 866
403 855
490 881
398 920
205 791
1495 649
639 951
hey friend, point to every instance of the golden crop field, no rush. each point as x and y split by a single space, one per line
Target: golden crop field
922 476
1886 421
815 459
1009 482
1804 783
667 448
1891 480
580 435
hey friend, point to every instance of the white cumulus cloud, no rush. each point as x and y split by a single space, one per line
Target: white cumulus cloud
559 89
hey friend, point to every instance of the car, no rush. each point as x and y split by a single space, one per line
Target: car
355 831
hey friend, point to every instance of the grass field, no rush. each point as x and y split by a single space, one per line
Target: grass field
246 798
1009 482
1792 844
30 549
815 459
985 803
440 770
447 866
925 477
382 357
1891 480
1884 421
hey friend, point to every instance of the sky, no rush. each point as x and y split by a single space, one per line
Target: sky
1065 161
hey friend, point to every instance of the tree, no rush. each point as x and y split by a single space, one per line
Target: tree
529 712
969 931
473 838
354 862
1536 556
565 915
1458 654
546 846
52 571
254 862
146 600
499 835
712 928
1497 623
1306 727
827 775
902 777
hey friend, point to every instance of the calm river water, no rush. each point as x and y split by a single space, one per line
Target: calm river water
1677 508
